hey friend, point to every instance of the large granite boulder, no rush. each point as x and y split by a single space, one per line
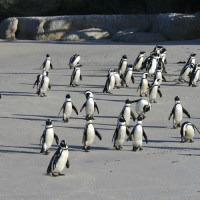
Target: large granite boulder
86 34
8 27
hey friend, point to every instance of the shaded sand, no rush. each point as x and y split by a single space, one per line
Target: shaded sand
165 169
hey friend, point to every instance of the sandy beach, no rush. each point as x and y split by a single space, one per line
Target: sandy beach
166 169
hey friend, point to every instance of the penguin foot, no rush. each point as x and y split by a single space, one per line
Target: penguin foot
140 148
145 95
118 148
46 153
118 87
140 95
155 101
134 149
59 174
191 141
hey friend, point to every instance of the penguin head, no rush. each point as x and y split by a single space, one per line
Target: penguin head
177 98
47 55
193 54
142 52
122 119
87 92
140 118
89 118
44 73
124 56
128 101
159 67
67 96
78 65
145 75
63 144
48 122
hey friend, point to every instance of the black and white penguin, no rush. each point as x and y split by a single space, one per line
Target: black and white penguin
138 61
122 65
89 134
126 112
194 76
154 89
187 132
157 49
185 72
120 133
67 108
90 105
59 160
47 137
191 59
138 132
74 60
144 85
39 79
76 75
142 106
177 113
110 82
152 65
46 65
159 76
127 76
43 86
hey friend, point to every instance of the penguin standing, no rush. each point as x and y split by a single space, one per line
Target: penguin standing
47 137
187 132
74 60
153 91
177 113
117 79
43 86
59 160
142 106
127 76
67 109
76 75
120 133
126 112
138 61
144 85
153 64
90 105
138 132
122 65
89 134
39 79
110 82
194 76
159 76
46 65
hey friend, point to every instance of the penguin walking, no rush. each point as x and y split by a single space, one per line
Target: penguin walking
74 60
110 82
177 113
47 137
43 86
90 105
186 72
126 112
142 106
154 89
138 61
39 79
122 65
89 134
194 76
137 134
120 133
128 75
144 85
46 65
117 80
159 76
67 109
76 75
59 160
187 132
151 68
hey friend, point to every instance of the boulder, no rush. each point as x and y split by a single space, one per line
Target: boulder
8 27
86 34
124 35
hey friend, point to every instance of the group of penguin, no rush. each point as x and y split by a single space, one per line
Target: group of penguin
154 65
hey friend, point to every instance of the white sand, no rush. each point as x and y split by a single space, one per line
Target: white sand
165 169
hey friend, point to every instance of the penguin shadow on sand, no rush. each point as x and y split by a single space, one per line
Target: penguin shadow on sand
172 148
93 148
20 94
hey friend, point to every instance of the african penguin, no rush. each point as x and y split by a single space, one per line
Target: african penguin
138 61
59 160
117 80
76 75
177 113
127 76
47 137
151 68
194 76
142 106
122 65
154 89
38 79
74 60
43 86
144 85
46 65
110 82
159 76
67 109
185 73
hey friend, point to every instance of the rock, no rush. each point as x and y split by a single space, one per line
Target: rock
86 34
124 35
8 27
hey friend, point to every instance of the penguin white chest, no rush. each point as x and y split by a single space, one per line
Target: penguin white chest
123 67
144 86
128 76
48 138
153 93
178 114
153 66
189 133
117 79
45 85
137 136
68 110
127 115
121 135
61 162
196 78
90 135
159 76
112 82
139 64
185 76
47 66
139 107
89 109
77 76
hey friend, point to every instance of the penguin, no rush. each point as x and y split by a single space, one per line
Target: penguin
157 49
144 85
110 82
138 132
161 65
47 137
43 86
126 112
46 65
120 133
89 134
187 132
191 59
90 105
177 113
127 76
122 65
159 76
194 76
154 89
152 65
138 61
185 73
59 160
38 79
76 75
74 60
117 80
67 108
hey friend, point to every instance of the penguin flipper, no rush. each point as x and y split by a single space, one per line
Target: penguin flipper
72 77
95 105
186 112
159 92
139 86
83 107
172 112
51 66
127 132
68 164
164 79
115 135
196 128
81 78
133 116
74 108
132 78
98 134
56 138
145 136
84 135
